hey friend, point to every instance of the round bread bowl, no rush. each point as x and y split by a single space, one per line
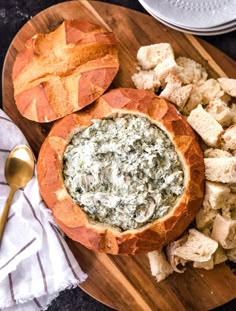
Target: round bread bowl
102 237
65 70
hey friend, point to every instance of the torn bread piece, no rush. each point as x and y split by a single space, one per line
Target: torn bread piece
146 80
177 263
196 247
221 169
160 267
150 55
228 138
192 72
216 153
219 110
205 125
224 232
228 85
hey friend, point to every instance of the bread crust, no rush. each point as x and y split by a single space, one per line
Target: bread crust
65 70
100 237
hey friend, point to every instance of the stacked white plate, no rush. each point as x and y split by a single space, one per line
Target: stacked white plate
199 17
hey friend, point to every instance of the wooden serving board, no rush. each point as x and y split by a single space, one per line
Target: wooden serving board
125 282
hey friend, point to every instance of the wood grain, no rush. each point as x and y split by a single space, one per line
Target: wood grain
125 282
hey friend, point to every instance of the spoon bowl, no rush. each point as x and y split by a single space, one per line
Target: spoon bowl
19 169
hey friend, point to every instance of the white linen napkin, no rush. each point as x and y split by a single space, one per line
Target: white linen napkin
35 261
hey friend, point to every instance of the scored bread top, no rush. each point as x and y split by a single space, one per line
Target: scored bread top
97 236
63 71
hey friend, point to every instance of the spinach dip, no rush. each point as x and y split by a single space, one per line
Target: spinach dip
123 171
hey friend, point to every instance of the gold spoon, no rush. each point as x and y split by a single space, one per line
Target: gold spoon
19 169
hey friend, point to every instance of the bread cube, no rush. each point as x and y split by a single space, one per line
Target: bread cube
216 194
176 94
228 85
224 232
210 89
151 55
192 72
219 110
160 267
177 263
198 247
205 218
146 80
221 169
163 69
205 125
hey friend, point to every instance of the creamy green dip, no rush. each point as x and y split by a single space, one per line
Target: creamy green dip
123 171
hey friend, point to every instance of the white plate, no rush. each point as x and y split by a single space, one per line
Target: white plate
199 14
207 32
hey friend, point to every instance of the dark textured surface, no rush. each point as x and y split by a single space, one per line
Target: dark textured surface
13 14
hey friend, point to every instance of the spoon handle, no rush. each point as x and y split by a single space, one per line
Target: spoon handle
4 215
